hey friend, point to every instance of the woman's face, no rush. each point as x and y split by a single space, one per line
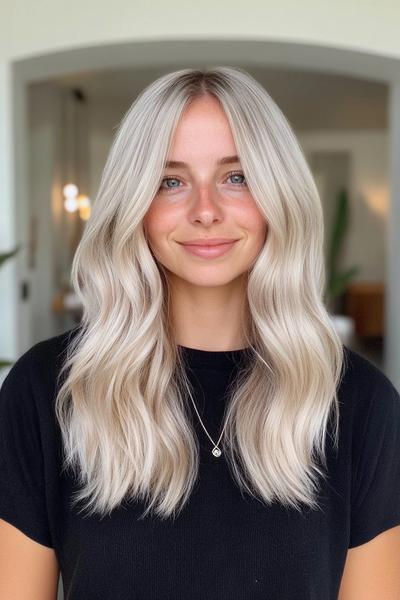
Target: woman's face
204 198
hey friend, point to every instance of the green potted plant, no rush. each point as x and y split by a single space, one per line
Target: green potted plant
3 258
338 279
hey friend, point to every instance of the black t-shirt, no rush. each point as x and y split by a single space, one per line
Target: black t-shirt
224 545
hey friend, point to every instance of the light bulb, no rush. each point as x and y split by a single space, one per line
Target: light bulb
70 190
83 200
84 207
70 204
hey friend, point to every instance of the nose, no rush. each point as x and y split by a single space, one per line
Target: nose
205 206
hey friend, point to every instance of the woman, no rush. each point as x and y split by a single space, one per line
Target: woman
217 440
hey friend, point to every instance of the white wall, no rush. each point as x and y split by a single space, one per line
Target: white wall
366 26
42 157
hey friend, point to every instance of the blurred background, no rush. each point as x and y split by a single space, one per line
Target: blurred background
67 82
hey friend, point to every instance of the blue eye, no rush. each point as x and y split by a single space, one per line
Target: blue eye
235 174
170 178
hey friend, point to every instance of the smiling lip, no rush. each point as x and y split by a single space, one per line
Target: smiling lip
208 242
209 250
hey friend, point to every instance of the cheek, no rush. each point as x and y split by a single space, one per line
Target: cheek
253 220
158 221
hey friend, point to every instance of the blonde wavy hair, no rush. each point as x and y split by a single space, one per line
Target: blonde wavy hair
123 403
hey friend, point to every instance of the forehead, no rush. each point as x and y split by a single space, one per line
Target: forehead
225 160
203 130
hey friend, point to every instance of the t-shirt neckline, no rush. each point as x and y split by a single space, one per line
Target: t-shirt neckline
216 359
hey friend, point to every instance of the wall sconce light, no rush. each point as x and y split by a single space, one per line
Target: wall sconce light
73 201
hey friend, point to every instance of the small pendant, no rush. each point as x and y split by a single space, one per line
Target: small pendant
216 451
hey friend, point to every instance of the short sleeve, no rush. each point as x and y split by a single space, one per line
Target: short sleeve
22 484
375 504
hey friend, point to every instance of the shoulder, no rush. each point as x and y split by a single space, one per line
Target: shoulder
365 383
36 369
51 349
373 405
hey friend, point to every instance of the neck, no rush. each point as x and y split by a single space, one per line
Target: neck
209 318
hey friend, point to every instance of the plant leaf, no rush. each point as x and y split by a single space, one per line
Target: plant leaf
339 229
339 282
7 255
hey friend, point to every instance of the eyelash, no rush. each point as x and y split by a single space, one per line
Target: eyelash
177 178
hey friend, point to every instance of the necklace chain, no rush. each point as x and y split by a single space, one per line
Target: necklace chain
216 450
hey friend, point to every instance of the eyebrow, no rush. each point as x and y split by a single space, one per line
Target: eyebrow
226 160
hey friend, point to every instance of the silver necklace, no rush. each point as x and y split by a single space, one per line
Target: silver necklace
215 451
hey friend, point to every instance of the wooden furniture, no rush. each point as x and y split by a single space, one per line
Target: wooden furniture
364 302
